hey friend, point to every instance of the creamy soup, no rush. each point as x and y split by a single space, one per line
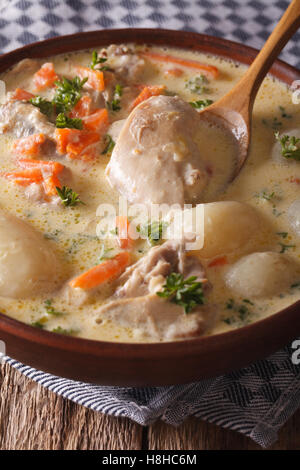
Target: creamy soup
81 130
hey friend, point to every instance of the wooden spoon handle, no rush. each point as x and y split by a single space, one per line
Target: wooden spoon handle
242 97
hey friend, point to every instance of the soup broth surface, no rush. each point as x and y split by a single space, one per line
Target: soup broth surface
268 183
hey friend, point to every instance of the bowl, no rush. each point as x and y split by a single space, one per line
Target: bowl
131 364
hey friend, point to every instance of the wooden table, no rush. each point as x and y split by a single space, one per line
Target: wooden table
31 417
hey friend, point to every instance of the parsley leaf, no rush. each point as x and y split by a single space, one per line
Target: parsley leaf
153 231
284 114
285 248
265 195
241 312
282 234
51 310
109 146
97 60
201 104
38 324
45 106
295 285
63 121
63 331
115 105
68 196
68 93
289 148
184 292
197 85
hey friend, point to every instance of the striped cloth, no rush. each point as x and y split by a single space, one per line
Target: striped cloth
256 400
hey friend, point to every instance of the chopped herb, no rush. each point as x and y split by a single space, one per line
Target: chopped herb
104 253
109 146
51 310
184 292
289 148
275 212
97 60
45 106
295 285
115 105
285 248
276 124
284 113
230 304
68 93
63 331
153 231
201 104
53 235
197 85
63 121
282 234
241 310
266 196
68 196
37 324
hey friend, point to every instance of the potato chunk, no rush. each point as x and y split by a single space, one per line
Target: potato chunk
261 274
228 227
27 264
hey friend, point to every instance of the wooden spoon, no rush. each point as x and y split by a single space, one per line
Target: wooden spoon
234 110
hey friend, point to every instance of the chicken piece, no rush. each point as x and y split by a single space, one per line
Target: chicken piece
125 62
156 159
137 306
153 317
23 119
149 273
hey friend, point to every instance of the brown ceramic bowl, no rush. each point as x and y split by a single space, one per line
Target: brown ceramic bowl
148 364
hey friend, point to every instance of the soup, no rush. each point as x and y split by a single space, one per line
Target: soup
85 133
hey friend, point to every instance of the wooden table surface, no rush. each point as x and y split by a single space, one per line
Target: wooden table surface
32 417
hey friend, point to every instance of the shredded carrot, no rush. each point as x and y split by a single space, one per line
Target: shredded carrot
105 271
204 68
45 76
82 108
84 140
50 184
37 171
63 137
73 141
30 145
122 225
95 77
147 92
221 261
47 165
25 177
98 121
87 155
294 180
173 72
21 95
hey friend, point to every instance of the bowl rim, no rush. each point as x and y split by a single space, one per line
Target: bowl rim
114 349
